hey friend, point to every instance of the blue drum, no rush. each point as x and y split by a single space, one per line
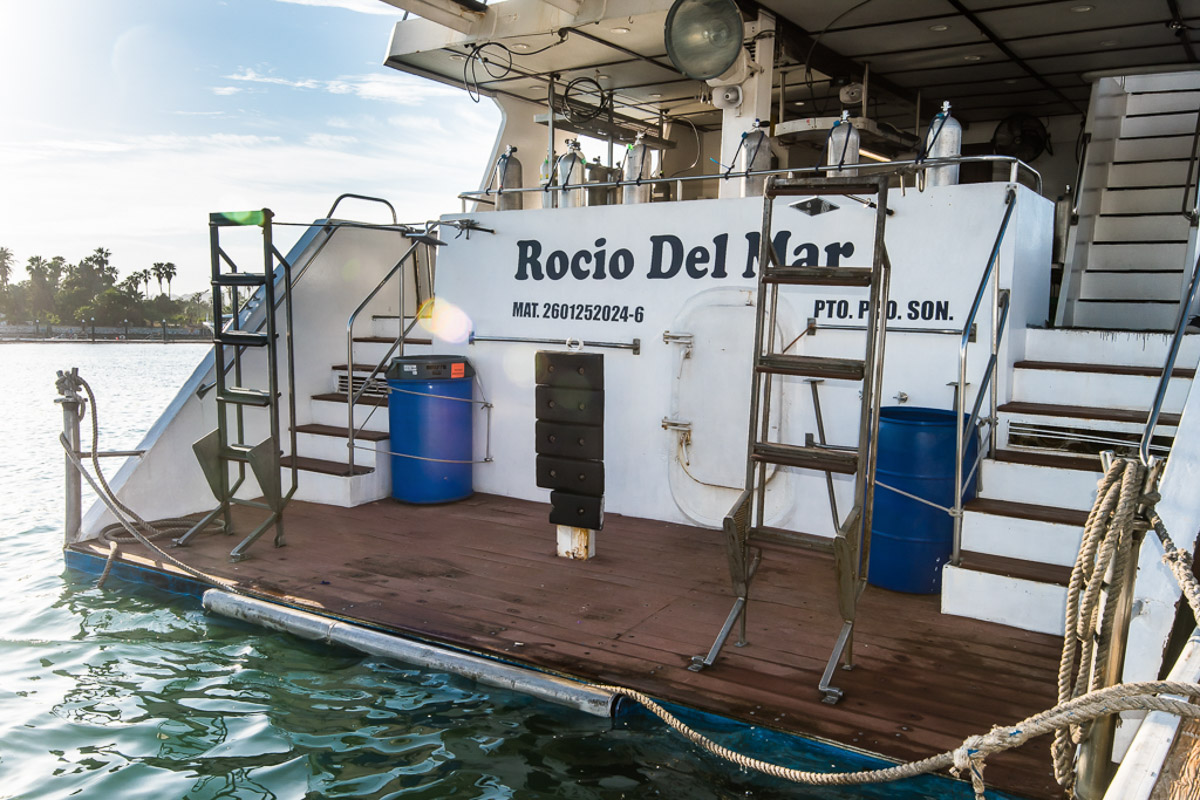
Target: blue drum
910 541
432 428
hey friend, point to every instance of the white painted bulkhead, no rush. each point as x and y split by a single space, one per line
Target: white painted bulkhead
685 263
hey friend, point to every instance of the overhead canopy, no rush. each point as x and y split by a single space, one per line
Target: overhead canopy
989 58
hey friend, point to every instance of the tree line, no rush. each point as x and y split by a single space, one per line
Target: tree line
57 292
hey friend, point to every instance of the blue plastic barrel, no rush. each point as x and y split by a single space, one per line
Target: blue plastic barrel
432 428
910 541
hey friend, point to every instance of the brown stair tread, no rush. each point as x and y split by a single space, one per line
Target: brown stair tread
1016 568
340 397
1007 508
323 466
1088 412
1042 458
359 367
390 340
1104 369
334 430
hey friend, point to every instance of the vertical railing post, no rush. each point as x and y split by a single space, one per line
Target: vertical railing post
72 407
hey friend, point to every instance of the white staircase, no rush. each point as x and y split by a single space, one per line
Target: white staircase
324 471
1075 393
1132 247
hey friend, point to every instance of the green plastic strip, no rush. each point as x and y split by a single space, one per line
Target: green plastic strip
238 217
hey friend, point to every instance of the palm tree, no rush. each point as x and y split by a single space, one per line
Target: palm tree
37 268
144 276
158 271
169 271
6 262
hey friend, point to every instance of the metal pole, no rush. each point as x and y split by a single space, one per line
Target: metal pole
93 321
73 514
164 326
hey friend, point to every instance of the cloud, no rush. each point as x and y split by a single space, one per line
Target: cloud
399 89
329 140
225 91
361 6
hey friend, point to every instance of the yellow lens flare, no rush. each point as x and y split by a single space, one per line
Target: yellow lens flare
445 320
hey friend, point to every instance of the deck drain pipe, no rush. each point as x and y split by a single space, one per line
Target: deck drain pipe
485 671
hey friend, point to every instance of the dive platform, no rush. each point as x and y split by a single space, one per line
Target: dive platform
481 576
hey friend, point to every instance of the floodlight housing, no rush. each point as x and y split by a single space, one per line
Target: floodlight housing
704 38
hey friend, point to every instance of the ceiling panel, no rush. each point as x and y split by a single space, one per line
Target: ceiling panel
1011 23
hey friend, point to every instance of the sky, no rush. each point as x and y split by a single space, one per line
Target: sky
124 123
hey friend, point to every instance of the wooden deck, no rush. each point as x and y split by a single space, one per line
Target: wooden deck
482 574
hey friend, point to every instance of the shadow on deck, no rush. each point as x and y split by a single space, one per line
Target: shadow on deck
481 574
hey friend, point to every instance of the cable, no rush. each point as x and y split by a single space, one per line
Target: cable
695 160
808 58
496 70
578 117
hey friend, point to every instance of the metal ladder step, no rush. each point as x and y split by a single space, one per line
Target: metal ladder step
848 369
788 187
240 279
816 458
245 397
242 338
818 276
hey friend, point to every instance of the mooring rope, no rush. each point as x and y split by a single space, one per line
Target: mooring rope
139 529
1106 544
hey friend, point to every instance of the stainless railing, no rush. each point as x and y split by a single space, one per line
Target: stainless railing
1080 173
353 396
1000 306
1186 303
1016 167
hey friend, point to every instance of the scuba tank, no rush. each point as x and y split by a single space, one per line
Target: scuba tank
570 173
756 155
943 139
637 166
842 147
508 176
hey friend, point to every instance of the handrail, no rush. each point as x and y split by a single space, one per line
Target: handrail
1164 380
998 324
1194 212
341 197
1080 172
352 397
899 167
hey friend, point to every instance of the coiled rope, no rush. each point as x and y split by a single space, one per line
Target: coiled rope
1104 559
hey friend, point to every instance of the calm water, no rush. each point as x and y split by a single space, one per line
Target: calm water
125 692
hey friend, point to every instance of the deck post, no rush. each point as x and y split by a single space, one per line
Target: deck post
579 543
72 405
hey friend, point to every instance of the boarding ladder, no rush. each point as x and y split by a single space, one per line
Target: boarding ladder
249 328
745 521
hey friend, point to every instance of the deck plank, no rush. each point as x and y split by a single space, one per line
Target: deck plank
482 574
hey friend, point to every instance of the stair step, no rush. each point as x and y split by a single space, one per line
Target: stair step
1158 148
338 397
1018 568
1086 412
1075 345
1121 315
1007 508
1163 123
1036 484
819 276
318 429
324 467
1043 458
240 279
1104 369
1150 174
1130 255
1161 82
1161 227
1020 538
816 458
995 597
1131 285
1157 102
242 338
388 340
848 369
245 397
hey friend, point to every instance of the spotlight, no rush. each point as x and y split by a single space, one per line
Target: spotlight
704 37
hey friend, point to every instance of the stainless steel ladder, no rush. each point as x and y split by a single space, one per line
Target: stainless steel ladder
745 521
223 447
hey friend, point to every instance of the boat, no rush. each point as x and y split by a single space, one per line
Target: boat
785 413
